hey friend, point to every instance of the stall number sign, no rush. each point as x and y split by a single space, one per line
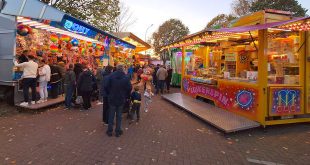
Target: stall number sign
230 57
76 28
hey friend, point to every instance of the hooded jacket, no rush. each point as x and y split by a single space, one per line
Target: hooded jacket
118 88
86 81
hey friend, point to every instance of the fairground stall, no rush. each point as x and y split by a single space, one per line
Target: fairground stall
258 69
136 57
50 34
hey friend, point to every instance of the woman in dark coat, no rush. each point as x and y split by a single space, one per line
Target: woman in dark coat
105 108
85 86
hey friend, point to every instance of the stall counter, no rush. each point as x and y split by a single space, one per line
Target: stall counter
231 95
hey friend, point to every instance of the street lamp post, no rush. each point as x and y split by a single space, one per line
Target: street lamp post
146 34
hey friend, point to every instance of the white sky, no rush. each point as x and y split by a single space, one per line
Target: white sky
193 13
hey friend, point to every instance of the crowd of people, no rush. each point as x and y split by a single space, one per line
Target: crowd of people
116 88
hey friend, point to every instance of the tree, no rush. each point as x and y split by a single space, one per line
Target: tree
286 5
125 19
241 7
100 13
220 21
170 31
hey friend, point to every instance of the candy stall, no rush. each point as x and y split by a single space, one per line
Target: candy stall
258 68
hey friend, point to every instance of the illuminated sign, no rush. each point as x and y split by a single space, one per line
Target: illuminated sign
76 28
285 101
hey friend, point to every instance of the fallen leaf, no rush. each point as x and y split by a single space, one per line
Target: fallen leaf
7 158
223 152
248 152
285 148
261 138
250 135
116 157
30 162
230 142
119 148
10 140
13 162
173 153
153 160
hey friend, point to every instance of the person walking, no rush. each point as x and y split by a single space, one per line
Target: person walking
155 81
168 79
130 71
45 77
161 75
29 76
105 107
135 104
69 83
147 99
85 86
118 88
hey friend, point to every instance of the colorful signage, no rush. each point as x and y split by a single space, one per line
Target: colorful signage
285 101
232 97
75 28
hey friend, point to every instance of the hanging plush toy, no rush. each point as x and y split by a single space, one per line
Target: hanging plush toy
54 48
65 38
23 30
75 42
54 38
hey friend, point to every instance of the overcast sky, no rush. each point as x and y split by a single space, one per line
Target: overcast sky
193 13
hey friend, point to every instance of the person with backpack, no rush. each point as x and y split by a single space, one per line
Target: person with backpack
44 78
85 86
69 83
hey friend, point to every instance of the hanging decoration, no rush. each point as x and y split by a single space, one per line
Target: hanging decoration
74 42
23 30
65 38
99 46
54 48
89 44
82 50
94 45
54 38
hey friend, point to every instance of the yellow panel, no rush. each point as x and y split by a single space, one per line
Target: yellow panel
308 72
262 75
288 121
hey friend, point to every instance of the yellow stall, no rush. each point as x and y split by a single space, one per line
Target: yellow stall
259 68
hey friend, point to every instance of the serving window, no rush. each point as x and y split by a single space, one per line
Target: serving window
283 57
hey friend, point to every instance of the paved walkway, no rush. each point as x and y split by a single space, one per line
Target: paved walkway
165 135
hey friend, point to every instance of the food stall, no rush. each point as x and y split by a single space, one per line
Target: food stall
141 47
258 68
49 34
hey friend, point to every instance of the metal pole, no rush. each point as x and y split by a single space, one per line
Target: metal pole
145 35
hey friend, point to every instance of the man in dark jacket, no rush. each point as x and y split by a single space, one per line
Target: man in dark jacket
55 80
85 86
118 88
69 83
105 107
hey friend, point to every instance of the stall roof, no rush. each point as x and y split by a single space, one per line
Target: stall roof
40 11
207 34
259 26
133 39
